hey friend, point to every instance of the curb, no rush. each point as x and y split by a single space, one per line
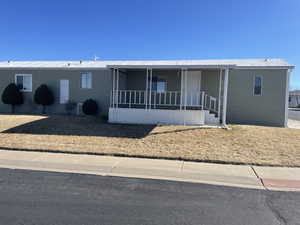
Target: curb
245 176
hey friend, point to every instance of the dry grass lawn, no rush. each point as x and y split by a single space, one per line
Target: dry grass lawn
256 145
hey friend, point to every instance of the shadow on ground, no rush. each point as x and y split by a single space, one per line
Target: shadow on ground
80 126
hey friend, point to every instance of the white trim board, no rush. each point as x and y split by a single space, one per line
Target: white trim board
156 116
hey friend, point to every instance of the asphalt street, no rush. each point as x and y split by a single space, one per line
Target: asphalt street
33 197
294 114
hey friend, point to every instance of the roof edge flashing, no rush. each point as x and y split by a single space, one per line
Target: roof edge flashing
230 66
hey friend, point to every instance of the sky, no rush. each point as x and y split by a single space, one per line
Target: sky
151 29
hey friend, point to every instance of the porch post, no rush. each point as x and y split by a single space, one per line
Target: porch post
220 87
181 88
185 89
185 94
146 91
225 97
150 89
113 88
117 85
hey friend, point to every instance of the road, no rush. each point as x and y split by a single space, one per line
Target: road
294 114
34 197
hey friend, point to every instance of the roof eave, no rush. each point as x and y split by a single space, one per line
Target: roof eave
54 68
266 67
171 66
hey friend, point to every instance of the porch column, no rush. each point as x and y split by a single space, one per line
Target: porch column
183 92
150 88
185 89
117 87
181 88
146 91
113 87
220 87
225 97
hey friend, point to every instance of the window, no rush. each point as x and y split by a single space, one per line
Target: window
159 85
86 80
24 82
257 86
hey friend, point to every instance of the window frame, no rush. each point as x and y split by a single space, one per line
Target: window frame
81 77
261 85
23 75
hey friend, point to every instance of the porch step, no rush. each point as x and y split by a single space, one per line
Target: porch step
211 119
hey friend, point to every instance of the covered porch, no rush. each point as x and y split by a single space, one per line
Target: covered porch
187 96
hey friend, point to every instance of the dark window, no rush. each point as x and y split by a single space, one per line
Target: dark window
20 82
258 85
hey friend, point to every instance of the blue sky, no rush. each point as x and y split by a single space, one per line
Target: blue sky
151 29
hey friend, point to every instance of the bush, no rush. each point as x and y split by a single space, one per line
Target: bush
90 107
12 96
43 96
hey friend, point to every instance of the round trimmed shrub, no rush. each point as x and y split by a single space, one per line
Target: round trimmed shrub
12 96
43 96
90 107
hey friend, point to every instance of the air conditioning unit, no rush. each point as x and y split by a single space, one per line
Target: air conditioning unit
79 109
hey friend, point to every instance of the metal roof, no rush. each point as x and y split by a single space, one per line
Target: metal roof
239 63
295 92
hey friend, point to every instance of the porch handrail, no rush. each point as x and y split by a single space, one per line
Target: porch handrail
133 98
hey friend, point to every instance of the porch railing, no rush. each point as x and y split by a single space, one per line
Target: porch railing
153 99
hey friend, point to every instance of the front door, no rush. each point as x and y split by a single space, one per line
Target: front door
193 88
64 91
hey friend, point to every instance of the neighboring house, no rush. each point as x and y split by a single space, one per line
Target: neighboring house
294 99
192 92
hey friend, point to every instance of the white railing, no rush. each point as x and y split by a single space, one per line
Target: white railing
132 98
170 98
129 97
210 103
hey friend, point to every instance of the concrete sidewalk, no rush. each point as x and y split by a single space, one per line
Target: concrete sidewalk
272 178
